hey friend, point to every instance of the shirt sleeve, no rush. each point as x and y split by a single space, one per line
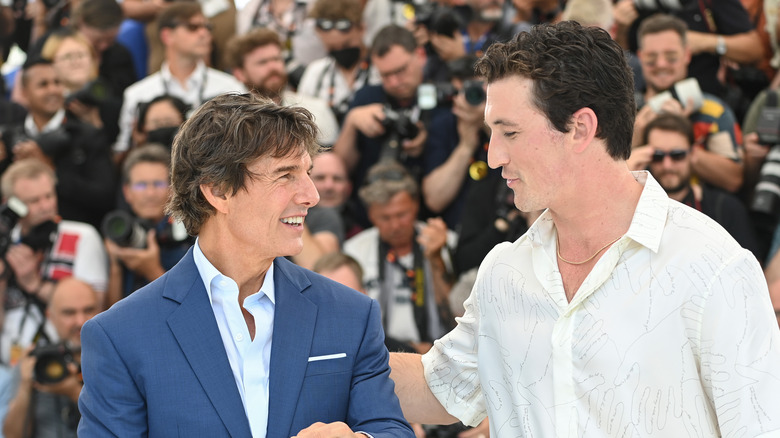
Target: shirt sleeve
739 349
451 364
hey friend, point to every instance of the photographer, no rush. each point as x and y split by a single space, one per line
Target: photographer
79 152
46 396
383 119
43 250
457 154
146 178
159 120
664 54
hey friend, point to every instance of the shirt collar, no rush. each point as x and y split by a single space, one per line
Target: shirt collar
193 80
209 273
647 224
55 122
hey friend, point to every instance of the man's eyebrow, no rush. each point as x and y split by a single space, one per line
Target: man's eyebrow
502 122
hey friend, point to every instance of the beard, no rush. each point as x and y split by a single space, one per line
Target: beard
267 88
670 189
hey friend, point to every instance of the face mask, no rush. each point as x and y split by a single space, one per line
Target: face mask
346 58
163 136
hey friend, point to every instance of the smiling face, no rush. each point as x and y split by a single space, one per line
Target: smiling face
524 144
43 90
265 218
664 60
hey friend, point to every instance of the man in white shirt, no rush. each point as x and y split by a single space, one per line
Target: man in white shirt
620 312
186 35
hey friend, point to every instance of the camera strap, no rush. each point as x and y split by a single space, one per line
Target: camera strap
415 278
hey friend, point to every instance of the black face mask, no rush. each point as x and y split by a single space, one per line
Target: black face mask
346 58
163 136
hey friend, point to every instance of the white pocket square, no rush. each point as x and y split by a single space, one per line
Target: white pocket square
327 357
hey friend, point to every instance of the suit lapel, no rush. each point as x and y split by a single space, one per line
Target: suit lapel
294 320
195 328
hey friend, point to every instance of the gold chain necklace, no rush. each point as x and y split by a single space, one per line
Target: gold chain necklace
558 250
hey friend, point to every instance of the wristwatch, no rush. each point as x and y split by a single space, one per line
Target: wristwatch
720 46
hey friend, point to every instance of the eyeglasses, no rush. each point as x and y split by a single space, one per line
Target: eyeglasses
140 186
72 57
651 59
342 25
400 70
194 27
674 154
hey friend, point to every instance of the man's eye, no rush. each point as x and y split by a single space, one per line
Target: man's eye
510 134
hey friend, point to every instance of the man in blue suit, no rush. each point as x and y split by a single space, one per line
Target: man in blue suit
235 340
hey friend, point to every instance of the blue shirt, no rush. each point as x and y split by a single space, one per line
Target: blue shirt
249 358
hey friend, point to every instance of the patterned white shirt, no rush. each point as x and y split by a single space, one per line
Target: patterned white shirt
671 334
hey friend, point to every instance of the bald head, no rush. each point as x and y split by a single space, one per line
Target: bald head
72 303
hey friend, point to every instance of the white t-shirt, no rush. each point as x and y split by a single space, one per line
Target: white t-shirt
671 334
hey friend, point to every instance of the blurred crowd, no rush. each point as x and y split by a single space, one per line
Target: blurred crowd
94 91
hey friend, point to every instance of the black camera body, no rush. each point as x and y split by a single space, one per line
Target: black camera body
52 361
665 6
399 125
430 96
129 231
93 93
10 213
53 143
441 19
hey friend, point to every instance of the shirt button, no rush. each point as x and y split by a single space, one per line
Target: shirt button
239 337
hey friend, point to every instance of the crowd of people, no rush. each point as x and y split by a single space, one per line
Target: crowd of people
409 202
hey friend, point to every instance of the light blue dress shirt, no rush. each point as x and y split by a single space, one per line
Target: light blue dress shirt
249 358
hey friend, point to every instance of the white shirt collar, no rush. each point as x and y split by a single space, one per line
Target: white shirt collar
209 273
55 122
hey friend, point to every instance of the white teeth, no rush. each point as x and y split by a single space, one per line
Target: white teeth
297 220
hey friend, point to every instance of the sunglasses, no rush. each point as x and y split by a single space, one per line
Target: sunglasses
194 27
674 154
342 25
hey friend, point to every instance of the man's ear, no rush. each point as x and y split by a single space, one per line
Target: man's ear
238 73
584 124
215 196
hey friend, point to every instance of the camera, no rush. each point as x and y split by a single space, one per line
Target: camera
399 125
660 5
51 364
52 143
430 96
92 93
10 213
129 231
682 91
440 19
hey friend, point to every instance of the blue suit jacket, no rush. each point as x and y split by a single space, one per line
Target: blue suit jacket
154 364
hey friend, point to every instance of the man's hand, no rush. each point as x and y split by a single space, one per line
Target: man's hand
331 430
368 119
29 149
414 146
69 387
449 48
86 113
433 237
145 262
640 158
26 265
471 120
